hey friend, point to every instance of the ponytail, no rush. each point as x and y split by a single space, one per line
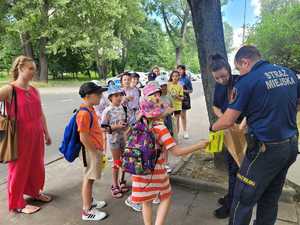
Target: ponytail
19 63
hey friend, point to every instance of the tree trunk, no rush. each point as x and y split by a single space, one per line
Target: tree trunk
28 49
208 26
26 45
178 55
43 67
43 43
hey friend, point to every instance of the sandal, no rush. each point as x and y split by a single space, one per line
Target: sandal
28 209
116 192
124 188
44 198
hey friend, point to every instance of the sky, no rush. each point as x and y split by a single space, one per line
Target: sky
234 15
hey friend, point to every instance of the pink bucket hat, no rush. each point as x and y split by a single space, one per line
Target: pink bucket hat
151 109
151 88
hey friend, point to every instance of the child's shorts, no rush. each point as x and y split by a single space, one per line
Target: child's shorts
178 112
94 160
120 143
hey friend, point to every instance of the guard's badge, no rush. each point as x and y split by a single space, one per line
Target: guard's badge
233 95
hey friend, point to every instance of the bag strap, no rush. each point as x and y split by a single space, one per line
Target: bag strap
91 115
91 124
12 100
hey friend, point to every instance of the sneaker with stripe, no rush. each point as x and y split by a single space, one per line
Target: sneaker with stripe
93 215
98 204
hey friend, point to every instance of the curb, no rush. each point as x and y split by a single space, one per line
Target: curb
197 184
288 193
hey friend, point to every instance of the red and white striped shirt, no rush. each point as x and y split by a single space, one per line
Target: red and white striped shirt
148 187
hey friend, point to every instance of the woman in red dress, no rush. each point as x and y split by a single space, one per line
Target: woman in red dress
26 175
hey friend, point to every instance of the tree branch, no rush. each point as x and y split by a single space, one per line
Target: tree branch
167 24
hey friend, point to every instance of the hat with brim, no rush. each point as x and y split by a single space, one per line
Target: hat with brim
90 88
112 90
151 109
151 88
162 80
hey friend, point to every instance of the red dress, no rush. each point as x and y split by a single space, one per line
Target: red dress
26 176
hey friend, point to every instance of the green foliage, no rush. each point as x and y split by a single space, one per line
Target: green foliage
228 35
145 48
277 36
270 6
106 36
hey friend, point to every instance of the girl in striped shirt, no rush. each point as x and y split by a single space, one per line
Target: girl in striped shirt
146 188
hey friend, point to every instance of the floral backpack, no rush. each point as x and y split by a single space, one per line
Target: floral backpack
140 155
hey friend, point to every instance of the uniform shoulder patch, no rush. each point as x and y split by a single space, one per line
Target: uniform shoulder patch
233 95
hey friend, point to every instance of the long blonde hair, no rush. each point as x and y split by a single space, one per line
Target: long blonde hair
19 63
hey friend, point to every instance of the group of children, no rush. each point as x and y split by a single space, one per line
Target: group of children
114 112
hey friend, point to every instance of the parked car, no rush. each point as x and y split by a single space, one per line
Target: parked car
117 81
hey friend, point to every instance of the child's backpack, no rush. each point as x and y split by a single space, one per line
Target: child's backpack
140 155
71 145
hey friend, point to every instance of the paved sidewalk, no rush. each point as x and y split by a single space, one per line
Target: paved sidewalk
64 180
189 207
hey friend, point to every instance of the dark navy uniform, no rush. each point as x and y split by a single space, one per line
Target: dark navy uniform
221 101
268 97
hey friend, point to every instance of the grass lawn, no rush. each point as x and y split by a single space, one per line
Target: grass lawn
68 82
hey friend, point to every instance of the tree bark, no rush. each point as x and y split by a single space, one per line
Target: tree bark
178 52
208 26
43 66
26 44
28 48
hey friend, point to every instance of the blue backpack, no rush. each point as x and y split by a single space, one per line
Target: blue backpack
71 145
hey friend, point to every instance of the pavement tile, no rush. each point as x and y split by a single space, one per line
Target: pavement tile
287 212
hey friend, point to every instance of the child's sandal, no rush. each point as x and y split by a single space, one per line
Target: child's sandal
124 188
116 192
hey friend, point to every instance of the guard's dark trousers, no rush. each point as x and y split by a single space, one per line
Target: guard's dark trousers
260 181
233 169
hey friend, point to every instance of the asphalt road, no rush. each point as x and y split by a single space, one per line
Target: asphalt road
58 105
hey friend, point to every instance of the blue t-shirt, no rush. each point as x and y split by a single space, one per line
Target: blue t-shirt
221 95
268 97
186 83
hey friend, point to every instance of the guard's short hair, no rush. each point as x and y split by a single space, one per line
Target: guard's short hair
247 52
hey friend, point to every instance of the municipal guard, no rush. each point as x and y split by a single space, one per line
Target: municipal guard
267 95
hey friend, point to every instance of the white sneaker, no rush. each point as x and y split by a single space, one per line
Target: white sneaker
98 204
93 215
186 135
135 206
109 159
156 201
168 168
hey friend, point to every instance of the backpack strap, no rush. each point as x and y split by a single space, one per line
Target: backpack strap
91 115
91 124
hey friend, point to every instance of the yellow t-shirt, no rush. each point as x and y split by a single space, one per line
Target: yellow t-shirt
176 90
